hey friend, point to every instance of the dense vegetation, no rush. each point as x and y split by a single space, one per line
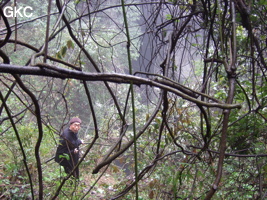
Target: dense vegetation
172 94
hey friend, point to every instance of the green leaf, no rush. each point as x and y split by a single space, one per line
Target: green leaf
262 2
64 155
168 17
70 44
58 56
63 51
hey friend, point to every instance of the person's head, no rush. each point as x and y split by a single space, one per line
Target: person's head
75 124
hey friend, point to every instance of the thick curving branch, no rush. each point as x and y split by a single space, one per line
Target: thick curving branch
40 136
8 35
231 71
57 72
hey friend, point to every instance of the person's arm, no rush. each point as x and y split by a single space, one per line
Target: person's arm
80 142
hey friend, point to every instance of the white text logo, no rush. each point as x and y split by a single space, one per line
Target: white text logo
10 11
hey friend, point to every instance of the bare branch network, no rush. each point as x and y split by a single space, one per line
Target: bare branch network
174 90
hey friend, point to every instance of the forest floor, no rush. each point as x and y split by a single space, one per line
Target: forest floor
105 185
95 186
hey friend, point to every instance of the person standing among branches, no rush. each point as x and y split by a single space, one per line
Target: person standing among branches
67 154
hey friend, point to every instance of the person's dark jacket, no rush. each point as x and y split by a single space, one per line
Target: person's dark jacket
65 155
